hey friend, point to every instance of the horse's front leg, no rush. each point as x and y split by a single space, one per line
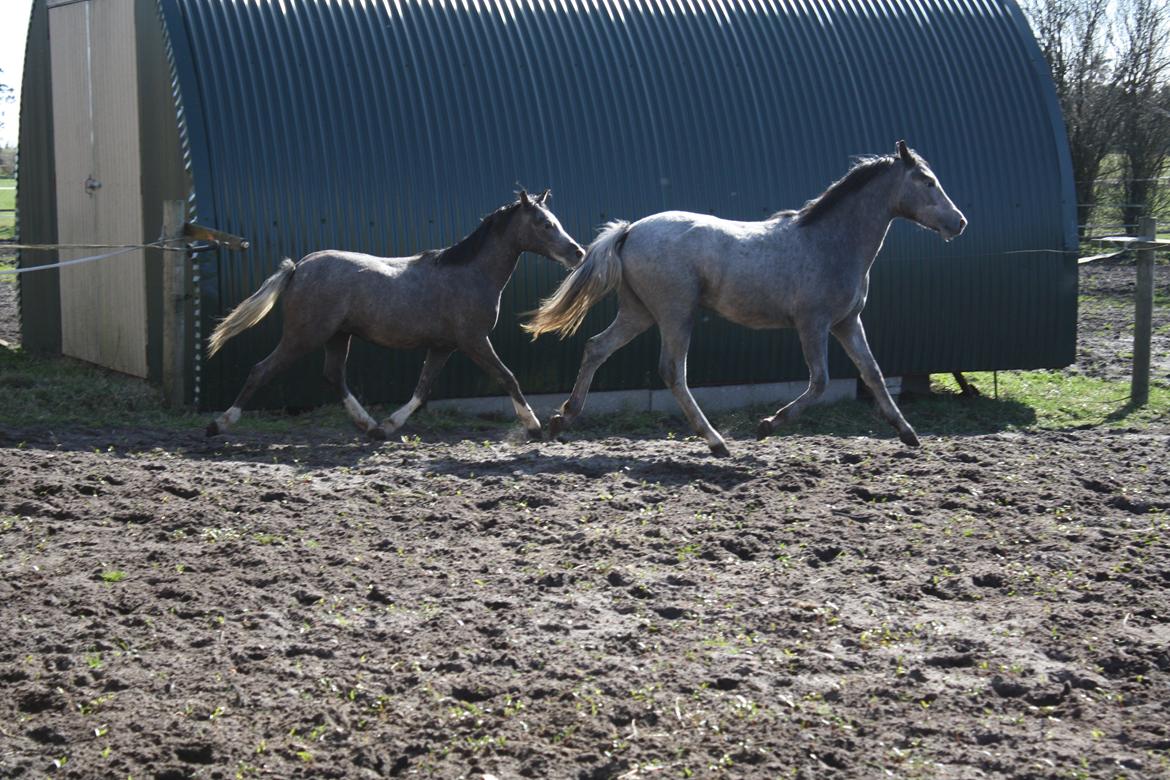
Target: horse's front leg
432 365
484 355
814 343
851 334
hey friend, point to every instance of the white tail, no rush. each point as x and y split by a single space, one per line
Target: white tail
599 273
253 309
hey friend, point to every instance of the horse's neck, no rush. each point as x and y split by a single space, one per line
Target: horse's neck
498 259
864 219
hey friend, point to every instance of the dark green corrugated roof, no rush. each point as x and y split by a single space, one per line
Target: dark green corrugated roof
391 127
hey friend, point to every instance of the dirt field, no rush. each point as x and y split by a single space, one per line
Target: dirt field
470 604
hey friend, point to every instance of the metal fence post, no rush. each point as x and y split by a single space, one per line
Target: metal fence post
174 335
1143 313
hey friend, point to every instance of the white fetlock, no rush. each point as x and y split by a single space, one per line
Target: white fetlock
527 416
359 415
228 418
399 418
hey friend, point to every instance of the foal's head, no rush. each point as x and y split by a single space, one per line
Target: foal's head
538 230
921 198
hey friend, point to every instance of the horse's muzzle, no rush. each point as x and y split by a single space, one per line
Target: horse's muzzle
953 228
573 257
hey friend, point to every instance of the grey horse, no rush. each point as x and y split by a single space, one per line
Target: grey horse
806 269
441 299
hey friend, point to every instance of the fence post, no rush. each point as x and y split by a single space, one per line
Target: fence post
1143 314
174 336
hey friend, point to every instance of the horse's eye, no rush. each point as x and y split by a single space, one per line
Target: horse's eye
931 183
547 225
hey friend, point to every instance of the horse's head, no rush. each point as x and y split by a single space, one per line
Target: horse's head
921 198
538 230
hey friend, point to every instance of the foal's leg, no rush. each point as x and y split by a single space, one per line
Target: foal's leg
435 360
484 355
814 343
631 320
263 372
851 334
672 365
336 353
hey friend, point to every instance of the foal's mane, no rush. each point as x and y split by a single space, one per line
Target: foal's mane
865 170
469 248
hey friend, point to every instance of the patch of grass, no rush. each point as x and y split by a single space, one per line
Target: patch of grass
53 391
47 391
7 203
1028 400
7 263
1062 401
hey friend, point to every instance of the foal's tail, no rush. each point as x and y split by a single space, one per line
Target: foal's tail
253 309
599 273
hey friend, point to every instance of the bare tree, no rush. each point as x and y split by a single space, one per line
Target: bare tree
1143 64
1074 36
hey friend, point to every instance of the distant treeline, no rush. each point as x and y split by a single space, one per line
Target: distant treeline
1110 61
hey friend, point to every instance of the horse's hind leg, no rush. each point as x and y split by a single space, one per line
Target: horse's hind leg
261 374
814 343
484 355
851 334
672 365
631 320
435 360
336 354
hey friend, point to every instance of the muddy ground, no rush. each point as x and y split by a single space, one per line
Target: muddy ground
470 604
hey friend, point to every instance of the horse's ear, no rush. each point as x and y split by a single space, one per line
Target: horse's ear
543 197
524 198
904 153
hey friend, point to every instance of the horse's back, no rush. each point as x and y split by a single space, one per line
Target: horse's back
744 270
393 301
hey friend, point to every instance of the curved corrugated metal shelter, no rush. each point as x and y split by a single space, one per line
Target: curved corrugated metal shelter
390 126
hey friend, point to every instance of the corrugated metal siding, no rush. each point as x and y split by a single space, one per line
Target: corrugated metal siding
103 305
36 192
391 127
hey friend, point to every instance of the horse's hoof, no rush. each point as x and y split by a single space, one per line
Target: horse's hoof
909 438
535 434
212 429
720 450
377 433
556 426
764 429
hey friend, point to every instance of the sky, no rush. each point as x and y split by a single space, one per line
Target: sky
13 31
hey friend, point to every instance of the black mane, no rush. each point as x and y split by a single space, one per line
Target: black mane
857 177
469 248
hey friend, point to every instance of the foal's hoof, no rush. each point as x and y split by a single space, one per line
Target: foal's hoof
556 426
764 429
720 450
212 429
377 433
909 438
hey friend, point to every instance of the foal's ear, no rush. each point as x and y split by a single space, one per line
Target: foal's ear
524 198
904 153
543 197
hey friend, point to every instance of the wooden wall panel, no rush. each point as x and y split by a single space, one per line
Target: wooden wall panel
103 304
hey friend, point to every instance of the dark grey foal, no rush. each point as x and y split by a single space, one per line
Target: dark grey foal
806 269
443 300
